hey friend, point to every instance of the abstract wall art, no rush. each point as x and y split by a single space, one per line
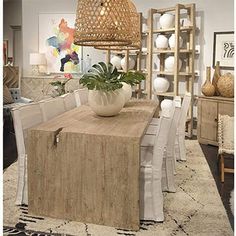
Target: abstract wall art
56 40
223 49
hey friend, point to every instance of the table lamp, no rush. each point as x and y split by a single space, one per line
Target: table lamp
36 60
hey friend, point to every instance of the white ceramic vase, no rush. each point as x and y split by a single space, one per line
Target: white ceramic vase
172 41
161 42
127 90
116 62
167 20
166 107
106 103
161 84
170 63
131 63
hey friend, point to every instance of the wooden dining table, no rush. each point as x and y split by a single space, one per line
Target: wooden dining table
85 168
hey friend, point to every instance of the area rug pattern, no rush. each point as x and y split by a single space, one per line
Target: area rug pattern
195 208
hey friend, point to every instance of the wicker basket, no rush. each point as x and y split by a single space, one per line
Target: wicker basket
103 23
225 85
136 32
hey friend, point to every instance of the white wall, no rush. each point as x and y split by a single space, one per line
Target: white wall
212 16
12 15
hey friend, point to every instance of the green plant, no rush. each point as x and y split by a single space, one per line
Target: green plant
107 78
59 85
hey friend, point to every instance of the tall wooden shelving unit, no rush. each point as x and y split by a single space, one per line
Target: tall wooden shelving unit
188 74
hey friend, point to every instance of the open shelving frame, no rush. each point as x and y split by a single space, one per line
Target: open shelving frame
189 74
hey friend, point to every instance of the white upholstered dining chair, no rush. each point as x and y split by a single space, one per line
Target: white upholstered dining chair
180 149
81 96
24 117
168 166
52 107
152 151
69 101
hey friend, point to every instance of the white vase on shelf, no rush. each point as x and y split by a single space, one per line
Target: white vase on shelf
167 21
170 63
116 62
172 41
161 84
161 42
131 63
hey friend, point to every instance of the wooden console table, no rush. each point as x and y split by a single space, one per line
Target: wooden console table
208 110
85 168
38 87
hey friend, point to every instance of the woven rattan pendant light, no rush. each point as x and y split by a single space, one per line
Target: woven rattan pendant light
135 32
103 23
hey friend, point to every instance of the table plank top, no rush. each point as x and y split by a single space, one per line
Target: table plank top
130 122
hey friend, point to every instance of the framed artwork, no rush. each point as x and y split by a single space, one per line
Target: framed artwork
223 49
5 52
56 37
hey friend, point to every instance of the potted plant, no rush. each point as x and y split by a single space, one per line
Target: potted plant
105 84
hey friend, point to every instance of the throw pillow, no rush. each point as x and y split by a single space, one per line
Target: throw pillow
7 98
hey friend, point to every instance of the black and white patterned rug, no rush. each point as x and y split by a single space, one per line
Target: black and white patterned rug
195 209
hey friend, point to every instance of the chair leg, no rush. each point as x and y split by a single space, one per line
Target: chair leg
222 167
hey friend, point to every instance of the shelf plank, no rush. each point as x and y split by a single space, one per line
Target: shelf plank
172 73
143 71
182 28
161 11
166 94
164 10
157 51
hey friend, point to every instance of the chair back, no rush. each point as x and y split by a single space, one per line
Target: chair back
172 131
226 134
184 112
25 117
69 101
160 142
81 96
52 107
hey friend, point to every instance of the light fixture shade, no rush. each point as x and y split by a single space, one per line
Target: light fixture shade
103 23
37 59
136 20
